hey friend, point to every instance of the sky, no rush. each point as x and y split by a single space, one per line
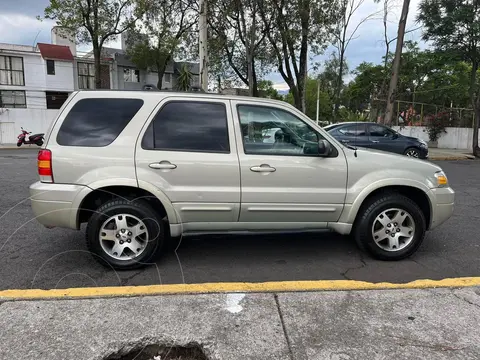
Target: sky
18 25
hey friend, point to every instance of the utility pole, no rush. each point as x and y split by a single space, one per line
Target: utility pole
396 63
203 51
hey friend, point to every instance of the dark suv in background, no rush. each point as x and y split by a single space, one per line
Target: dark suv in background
379 137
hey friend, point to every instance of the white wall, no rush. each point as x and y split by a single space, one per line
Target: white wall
37 81
455 138
63 78
34 120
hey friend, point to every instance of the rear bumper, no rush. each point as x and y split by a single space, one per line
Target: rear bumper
52 204
442 206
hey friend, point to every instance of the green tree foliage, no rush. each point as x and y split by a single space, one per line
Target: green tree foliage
237 42
453 26
266 90
325 104
167 30
429 77
184 79
96 21
298 28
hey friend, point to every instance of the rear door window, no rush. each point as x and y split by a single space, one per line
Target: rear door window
97 122
189 126
353 130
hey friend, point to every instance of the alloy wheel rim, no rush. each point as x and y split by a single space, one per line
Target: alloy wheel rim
123 237
412 153
393 229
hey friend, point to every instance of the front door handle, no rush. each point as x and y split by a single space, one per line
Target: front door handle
345 141
375 141
163 165
264 168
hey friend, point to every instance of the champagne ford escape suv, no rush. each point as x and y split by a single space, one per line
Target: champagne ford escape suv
139 166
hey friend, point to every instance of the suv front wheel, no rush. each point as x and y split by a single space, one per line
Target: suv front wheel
125 234
391 227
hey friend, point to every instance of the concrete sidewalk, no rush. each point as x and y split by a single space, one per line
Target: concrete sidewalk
450 154
380 324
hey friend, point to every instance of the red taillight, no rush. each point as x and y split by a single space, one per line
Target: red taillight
45 165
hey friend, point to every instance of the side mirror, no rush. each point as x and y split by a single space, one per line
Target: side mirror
395 136
324 148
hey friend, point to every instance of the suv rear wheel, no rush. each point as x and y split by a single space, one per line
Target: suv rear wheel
391 227
125 234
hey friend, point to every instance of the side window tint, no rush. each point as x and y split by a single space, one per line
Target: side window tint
353 130
97 122
189 126
273 131
379 131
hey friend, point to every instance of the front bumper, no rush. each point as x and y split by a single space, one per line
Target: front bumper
52 204
423 153
443 200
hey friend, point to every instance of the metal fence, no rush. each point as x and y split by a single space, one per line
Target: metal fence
420 114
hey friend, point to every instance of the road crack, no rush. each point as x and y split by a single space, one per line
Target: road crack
124 281
416 343
466 300
364 264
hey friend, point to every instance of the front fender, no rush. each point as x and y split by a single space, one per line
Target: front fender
363 187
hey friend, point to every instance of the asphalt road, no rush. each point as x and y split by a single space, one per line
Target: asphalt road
35 257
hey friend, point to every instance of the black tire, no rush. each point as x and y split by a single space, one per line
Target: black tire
412 150
373 208
138 208
39 143
19 144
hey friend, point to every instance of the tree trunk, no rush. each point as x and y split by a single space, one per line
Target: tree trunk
254 79
160 72
475 98
338 87
97 64
396 63
475 148
249 56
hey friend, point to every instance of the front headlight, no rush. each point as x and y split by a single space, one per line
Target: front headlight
442 180
423 143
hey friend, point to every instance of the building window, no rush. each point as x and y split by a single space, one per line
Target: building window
86 76
167 78
55 99
12 99
11 71
131 75
50 67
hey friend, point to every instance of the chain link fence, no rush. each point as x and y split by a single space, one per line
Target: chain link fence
420 114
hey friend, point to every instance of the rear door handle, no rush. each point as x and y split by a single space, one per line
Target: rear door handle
163 165
264 168
345 141
375 141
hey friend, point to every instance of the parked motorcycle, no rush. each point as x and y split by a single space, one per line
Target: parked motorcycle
36 139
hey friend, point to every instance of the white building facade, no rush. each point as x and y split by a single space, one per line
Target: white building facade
36 81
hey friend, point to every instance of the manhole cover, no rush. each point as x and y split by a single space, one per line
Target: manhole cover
159 352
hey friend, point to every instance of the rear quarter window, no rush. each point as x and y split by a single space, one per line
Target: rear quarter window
97 122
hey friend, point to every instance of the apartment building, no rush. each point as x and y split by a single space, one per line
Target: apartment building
36 80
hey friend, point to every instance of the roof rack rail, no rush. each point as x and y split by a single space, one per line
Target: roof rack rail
151 87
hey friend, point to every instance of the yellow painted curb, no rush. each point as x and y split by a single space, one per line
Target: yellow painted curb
280 286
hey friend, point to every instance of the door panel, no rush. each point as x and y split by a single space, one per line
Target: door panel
188 151
382 138
354 135
296 185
